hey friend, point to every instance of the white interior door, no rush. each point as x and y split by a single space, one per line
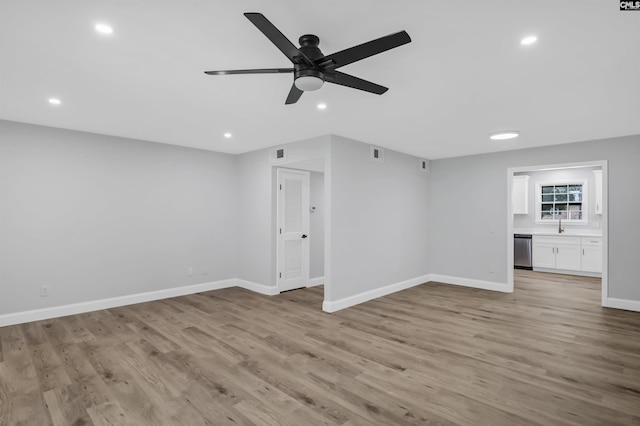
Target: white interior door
293 229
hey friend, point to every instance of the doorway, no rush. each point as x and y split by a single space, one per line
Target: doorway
552 215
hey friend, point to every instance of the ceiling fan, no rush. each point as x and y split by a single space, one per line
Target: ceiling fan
311 68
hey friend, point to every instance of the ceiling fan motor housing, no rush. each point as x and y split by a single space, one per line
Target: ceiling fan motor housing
309 77
309 46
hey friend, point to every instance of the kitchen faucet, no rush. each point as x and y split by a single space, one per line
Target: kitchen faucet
560 228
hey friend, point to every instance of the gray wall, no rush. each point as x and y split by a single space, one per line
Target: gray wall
379 219
468 215
316 248
96 216
563 175
255 214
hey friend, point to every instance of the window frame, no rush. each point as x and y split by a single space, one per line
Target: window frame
585 201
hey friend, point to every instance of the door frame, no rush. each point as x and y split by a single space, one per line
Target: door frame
604 224
306 261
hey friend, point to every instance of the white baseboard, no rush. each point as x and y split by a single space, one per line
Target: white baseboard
258 288
333 306
316 281
114 302
468 282
626 304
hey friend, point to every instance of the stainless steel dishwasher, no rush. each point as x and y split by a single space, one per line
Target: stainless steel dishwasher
522 251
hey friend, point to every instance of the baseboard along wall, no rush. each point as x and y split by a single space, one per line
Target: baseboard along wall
333 306
327 306
114 302
316 281
627 305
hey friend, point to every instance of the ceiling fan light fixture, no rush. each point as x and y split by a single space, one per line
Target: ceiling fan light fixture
309 83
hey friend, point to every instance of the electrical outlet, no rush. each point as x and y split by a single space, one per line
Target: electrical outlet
492 269
190 271
44 291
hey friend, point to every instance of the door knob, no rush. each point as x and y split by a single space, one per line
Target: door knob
304 235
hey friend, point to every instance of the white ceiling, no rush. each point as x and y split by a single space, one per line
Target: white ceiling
464 76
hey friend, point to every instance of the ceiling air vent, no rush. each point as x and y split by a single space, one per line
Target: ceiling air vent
277 155
377 154
425 165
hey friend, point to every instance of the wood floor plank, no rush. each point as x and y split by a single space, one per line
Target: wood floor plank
65 410
435 354
49 367
108 414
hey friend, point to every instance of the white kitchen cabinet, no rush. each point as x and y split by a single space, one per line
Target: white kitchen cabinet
598 200
520 194
591 254
544 254
551 252
568 254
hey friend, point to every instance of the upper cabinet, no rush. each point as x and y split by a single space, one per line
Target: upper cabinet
598 200
520 194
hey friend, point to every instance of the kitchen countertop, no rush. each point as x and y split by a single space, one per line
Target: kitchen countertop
554 232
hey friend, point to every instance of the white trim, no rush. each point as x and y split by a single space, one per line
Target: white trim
316 281
112 302
605 232
605 215
510 260
258 288
333 306
629 305
468 282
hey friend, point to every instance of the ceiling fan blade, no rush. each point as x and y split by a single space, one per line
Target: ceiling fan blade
370 48
277 38
343 79
294 95
256 71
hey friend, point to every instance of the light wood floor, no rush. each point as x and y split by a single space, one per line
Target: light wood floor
547 354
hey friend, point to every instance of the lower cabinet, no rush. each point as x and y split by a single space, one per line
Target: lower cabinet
591 254
556 252
565 253
544 254
568 255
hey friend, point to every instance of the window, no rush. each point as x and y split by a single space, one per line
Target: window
561 200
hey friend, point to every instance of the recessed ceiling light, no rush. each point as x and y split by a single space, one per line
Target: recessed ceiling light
322 106
104 29
501 136
54 101
529 40
227 135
